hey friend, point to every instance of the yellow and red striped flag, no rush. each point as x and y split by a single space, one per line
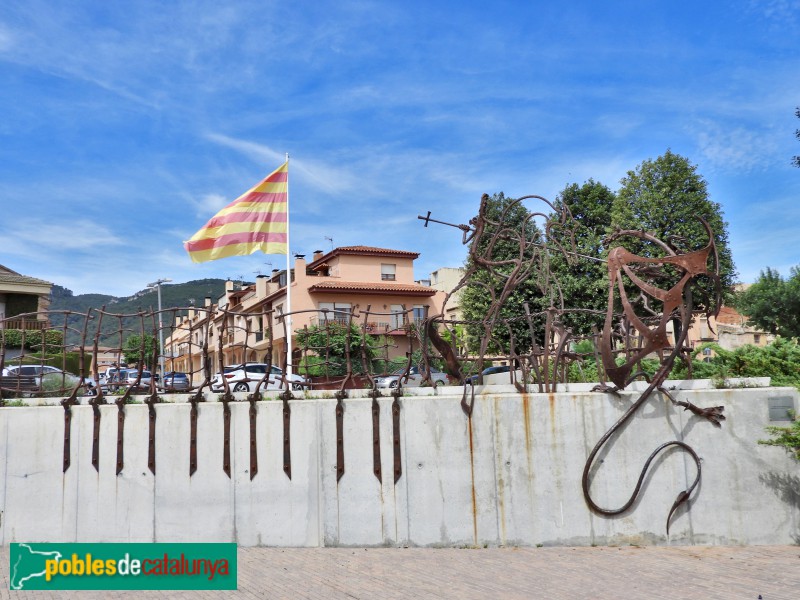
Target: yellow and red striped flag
256 220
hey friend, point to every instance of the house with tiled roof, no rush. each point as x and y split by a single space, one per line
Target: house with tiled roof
22 295
374 285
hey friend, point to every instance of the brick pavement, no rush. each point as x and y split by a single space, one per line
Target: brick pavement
674 573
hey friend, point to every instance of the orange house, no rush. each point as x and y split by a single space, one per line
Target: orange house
374 285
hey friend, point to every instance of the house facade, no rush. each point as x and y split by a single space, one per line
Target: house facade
20 295
374 287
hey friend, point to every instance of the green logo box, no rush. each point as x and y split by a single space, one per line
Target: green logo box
122 566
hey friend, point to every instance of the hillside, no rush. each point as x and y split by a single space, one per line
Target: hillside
172 295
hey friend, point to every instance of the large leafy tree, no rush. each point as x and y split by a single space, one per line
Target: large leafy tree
584 280
664 197
772 303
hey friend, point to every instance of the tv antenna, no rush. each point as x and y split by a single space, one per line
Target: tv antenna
330 239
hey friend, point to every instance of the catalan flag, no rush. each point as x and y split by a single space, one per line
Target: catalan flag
256 220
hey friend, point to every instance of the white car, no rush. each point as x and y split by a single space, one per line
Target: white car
414 378
245 378
37 371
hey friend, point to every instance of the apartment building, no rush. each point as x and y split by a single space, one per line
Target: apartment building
373 286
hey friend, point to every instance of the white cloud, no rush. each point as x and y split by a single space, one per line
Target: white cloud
81 235
734 148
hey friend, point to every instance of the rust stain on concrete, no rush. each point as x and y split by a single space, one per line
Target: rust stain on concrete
472 472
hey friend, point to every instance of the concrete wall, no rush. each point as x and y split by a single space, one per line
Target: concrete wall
510 476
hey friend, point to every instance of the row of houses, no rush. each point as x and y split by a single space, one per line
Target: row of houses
376 285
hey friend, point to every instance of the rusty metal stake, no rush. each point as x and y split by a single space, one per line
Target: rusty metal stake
253 398
376 436
151 434
339 435
67 403
120 435
287 451
468 406
398 468
227 398
194 400
96 436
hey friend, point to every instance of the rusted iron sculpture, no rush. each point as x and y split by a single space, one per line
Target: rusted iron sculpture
676 309
641 272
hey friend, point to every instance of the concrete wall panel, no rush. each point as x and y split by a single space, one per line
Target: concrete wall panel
35 489
510 475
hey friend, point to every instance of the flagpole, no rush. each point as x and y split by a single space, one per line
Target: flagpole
288 319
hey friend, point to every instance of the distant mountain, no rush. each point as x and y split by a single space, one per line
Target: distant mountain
181 295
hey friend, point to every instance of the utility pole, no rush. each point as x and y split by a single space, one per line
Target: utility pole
157 285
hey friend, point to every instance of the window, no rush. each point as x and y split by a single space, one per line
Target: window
756 338
397 316
388 272
333 311
419 313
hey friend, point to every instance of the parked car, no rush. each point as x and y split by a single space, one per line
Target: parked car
176 382
132 375
245 378
414 378
37 371
474 379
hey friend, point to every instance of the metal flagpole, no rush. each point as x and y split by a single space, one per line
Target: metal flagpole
288 318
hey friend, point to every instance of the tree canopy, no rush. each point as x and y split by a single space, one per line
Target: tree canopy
772 303
584 281
664 197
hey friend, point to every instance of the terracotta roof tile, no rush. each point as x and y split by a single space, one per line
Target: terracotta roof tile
368 250
372 288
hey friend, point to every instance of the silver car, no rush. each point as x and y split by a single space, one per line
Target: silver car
144 381
414 378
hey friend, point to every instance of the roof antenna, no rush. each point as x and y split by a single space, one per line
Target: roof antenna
330 239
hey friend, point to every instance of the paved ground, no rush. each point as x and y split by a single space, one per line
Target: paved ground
691 572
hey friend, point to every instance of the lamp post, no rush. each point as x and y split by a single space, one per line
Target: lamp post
157 285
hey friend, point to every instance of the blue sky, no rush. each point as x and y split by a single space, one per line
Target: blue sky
126 125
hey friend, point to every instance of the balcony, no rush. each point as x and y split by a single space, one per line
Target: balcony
24 324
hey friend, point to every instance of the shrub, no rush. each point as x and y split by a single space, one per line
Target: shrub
787 437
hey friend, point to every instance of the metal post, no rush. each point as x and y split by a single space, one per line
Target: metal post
157 285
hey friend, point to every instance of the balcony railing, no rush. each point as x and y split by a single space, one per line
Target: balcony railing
25 324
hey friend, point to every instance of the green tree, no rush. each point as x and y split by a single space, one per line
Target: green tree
326 348
786 437
664 197
584 281
135 352
772 303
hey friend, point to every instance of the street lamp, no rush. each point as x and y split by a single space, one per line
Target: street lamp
157 285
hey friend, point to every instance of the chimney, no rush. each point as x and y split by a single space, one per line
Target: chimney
228 286
262 285
208 300
317 255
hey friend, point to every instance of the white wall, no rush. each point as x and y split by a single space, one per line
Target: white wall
510 476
